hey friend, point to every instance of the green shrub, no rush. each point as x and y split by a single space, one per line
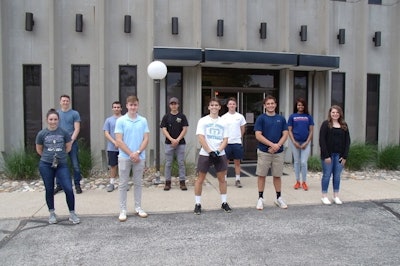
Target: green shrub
389 158
22 165
86 160
361 156
314 164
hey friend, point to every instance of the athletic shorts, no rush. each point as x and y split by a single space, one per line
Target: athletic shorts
112 158
203 164
266 160
234 151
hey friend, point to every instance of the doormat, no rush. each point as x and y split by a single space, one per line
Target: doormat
230 173
246 170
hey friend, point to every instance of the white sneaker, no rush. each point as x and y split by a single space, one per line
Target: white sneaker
280 203
122 216
325 201
141 212
260 204
337 201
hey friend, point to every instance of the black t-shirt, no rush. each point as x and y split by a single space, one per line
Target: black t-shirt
174 125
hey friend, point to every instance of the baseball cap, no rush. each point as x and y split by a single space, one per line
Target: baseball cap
173 100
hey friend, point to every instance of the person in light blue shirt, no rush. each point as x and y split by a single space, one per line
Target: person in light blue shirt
112 147
132 135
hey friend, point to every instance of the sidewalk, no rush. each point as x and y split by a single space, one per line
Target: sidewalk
156 200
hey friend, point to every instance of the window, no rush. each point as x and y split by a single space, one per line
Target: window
375 2
127 84
174 85
338 89
32 90
372 121
300 85
81 98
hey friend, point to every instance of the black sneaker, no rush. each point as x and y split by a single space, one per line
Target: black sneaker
57 189
225 207
197 209
78 189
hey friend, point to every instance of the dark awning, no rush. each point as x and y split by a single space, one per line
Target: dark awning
244 59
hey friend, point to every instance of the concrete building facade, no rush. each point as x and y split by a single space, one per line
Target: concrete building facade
97 51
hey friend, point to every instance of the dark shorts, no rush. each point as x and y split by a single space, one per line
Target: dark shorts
112 158
234 151
203 164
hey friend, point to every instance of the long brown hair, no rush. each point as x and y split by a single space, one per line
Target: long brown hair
341 121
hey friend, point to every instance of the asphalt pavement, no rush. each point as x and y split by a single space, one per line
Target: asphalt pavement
365 230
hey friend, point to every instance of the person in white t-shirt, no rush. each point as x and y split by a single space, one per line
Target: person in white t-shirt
236 127
212 134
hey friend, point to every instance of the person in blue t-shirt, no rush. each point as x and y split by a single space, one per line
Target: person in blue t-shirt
70 121
271 132
53 144
301 126
112 147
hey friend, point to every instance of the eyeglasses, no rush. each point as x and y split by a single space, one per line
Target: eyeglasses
173 103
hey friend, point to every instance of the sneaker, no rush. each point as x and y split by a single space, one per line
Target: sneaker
304 185
325 201
122 216
297 185
57 189
52 218
197 209
110 187
225 207
260 204
280 203
78 189
337 201
141 212
73 218
237 184
182 185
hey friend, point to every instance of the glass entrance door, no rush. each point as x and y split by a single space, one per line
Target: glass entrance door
250 104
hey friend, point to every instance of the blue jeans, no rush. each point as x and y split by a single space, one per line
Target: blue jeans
73 156
63 177
179 151
335 169
300 159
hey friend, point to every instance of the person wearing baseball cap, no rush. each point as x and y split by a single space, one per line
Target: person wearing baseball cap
174 127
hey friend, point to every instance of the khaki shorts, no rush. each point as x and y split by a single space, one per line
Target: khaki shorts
266 160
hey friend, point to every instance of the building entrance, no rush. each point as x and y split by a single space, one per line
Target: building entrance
249 103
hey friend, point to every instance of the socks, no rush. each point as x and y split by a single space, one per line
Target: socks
278 195
223 198
261 194
112 180
237 177
197 199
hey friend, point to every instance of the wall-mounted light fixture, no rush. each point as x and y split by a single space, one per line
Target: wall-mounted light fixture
341 36
377 38
263 30
78 22
127 24
220 27
303 33
175 25
29 21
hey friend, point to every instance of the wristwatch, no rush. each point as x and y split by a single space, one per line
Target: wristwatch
138 151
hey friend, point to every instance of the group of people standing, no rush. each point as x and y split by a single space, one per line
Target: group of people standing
220 138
